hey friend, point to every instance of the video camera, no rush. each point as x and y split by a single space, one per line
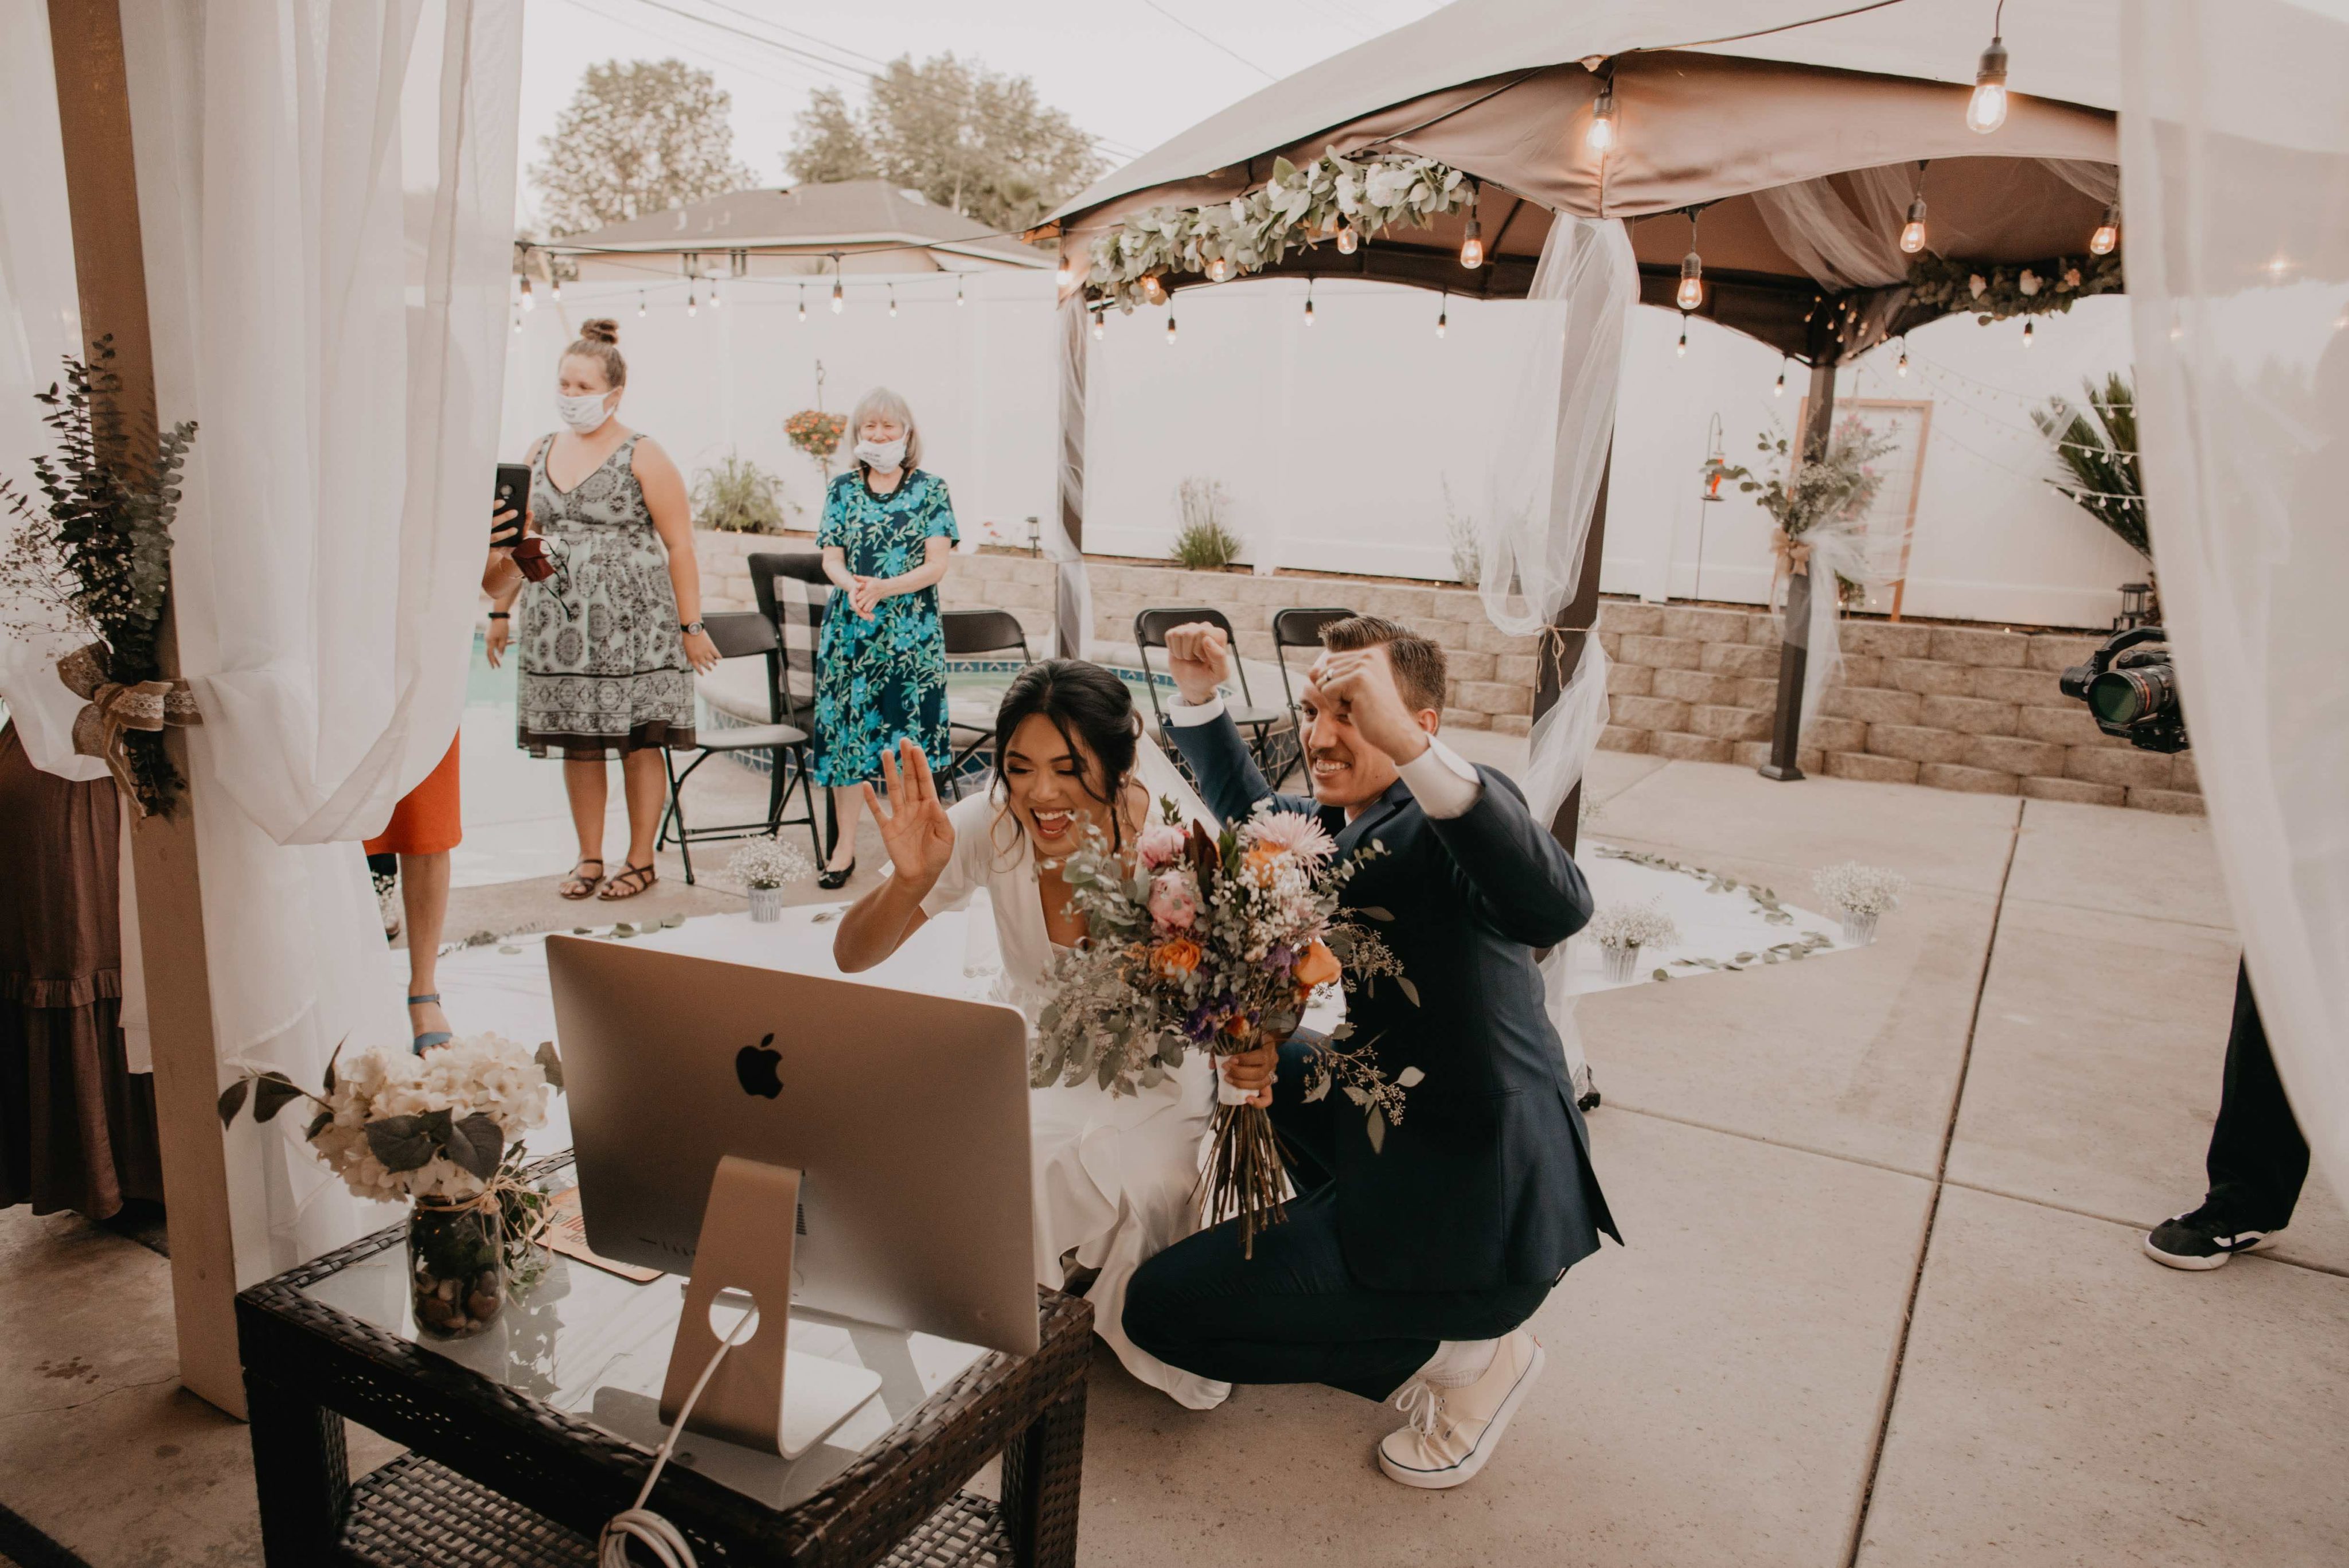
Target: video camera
2131 689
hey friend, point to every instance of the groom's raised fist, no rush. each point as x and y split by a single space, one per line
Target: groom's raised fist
1200 657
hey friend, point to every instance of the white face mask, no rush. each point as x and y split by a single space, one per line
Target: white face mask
584 415
882 453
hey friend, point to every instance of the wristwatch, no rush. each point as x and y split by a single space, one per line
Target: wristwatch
691 627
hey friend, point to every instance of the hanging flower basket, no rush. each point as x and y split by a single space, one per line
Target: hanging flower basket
818 434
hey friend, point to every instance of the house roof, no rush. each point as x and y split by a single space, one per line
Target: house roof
849 214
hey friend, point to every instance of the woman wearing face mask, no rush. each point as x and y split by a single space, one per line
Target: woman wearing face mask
1113 1176
610 642
881 667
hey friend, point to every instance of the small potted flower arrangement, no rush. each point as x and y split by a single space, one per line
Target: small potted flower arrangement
1622 930
818 434
765 866
1863 894
440 1130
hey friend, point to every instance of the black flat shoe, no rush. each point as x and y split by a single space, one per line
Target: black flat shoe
832 881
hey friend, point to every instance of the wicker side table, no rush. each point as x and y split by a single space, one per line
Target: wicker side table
497 1474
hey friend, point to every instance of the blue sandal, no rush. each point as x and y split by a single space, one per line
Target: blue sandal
428 1040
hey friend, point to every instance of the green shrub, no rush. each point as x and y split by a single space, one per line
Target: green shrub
735 495
1203 542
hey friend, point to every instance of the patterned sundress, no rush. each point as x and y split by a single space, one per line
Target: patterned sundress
603 663
882 679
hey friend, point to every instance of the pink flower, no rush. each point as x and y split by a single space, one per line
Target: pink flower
1172 902
1293 831
1160 844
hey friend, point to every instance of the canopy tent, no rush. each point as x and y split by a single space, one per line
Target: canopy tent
1782 146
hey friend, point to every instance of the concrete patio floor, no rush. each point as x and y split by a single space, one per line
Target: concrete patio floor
1882 1304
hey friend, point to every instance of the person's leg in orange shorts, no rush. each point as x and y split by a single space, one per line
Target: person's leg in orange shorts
425 825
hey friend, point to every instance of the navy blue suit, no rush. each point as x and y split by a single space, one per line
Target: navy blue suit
1483 1195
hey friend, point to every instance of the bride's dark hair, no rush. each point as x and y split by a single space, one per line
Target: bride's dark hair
1084 702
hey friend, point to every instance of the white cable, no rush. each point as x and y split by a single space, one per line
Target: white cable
667 1543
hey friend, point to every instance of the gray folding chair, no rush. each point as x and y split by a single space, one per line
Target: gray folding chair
1299 629
744 634
1262 725
975 634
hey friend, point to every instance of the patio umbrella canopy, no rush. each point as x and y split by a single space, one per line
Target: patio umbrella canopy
1748 113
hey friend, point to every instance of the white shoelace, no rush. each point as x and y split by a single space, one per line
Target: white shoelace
1421 1404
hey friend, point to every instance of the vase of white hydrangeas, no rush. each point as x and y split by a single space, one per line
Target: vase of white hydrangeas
1862 894
765 866
1622 930
441 1130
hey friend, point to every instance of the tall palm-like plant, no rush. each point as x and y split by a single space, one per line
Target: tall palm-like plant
2098 446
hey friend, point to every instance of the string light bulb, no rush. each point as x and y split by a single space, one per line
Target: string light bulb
1912 233
893 302
2027 335
1780 390
1691 290
640 304
1099 331
957 292
528 300
517 320
1309 301
2107 235
692 305
714 301
1600 137
1348 238
1219 269
1170 327
1153 290
1680 349
802 302
1472 246
1443 313
1986 111
555 283
1902 368
839 302
1065 273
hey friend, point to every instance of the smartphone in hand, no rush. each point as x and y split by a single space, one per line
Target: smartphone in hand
513 495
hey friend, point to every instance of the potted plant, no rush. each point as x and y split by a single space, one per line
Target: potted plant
439 1130
765 866
1863 894
1622 930
735 495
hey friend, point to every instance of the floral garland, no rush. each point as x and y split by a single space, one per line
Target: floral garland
1996 292
1296 208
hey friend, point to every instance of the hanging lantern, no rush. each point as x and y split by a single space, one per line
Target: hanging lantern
2107 235
1912 234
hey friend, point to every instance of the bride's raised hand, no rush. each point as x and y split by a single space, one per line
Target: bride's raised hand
913 825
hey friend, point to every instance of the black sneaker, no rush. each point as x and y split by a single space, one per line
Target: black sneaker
2204 1239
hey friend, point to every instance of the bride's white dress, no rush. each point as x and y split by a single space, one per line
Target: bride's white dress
1115 1175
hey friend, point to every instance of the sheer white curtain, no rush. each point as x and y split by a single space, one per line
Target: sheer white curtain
345 365
1073 598
1540 504
2235 170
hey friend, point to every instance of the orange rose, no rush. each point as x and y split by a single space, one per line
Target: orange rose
1174 958
1259 861
1317 966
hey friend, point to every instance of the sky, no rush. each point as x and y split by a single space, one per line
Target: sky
1132 73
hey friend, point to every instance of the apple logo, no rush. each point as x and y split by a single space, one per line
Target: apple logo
755 1066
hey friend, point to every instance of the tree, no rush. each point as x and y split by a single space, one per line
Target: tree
638 137
964 137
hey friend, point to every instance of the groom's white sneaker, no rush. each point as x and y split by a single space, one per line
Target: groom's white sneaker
1453 1431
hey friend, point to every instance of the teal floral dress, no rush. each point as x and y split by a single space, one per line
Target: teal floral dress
882 679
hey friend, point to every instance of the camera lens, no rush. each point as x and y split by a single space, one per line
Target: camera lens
2131 696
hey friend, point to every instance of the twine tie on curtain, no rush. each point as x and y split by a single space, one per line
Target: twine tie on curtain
113 708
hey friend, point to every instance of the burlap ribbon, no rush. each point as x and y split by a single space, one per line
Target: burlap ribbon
114 708
1793 556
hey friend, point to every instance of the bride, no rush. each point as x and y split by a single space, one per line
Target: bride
1114 1177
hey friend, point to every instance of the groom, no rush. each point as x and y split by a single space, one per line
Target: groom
1409 1272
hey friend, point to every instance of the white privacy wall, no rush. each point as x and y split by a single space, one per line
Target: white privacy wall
980 376
1337 443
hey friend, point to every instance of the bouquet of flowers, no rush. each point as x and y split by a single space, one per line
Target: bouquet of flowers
1217 943
817 433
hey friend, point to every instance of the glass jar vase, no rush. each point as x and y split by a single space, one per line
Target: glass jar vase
766 904
1620 964
1858 927
456 1266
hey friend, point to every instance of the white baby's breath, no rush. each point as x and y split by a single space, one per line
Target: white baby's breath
1861 889
768 863
1633 926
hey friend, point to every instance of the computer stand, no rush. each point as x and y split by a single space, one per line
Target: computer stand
764 1395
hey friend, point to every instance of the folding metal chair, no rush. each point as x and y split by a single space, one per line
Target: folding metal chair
1299 629
744 634
975 634
790 591
1150 629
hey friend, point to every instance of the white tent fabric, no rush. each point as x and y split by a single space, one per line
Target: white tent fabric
2236 176
331 539
2065 52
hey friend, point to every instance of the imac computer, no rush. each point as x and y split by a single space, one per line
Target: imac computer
904 1115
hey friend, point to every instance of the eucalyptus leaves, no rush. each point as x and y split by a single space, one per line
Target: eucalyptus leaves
1296 208
1994 292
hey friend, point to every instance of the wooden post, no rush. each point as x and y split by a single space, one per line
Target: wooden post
1575 623
110 276
1793 650
1067 604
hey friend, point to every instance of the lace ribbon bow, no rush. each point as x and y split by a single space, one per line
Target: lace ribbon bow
114 708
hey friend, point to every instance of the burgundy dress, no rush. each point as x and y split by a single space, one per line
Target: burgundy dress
76 1129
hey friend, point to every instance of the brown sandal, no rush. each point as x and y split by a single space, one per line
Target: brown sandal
587 886
637 878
